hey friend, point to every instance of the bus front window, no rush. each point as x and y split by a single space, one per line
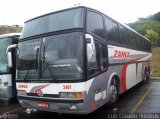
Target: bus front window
28 59
58 21
57 57
4 43
63 56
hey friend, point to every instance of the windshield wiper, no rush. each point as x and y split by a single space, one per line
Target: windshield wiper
27 74
51 71
28 70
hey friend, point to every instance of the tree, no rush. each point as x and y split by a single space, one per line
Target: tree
148 28
10 29
153 36
142 25
155 17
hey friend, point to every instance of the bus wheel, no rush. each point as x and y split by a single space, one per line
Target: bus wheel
146 77
113 92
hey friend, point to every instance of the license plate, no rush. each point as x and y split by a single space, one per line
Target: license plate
43 104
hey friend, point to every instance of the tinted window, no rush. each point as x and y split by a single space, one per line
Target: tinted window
115 32
93 62
99 61
143 44
4 43
104 57
138 40
54 22
58 57
95 24
148 46
124 35
112 30
108 24
132 40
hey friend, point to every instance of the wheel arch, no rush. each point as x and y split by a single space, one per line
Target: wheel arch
113 75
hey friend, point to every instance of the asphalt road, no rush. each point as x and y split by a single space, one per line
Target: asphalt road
142 101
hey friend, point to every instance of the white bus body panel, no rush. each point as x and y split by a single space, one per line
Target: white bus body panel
134 62
5 90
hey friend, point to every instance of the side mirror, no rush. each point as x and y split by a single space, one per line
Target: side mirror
9 54
90 48
9 59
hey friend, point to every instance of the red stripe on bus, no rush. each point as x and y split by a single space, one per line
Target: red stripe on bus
136 59
37 90
124 71
123 77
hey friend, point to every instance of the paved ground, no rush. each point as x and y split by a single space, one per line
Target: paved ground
139 102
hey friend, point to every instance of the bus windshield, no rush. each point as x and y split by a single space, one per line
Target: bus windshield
57 57
4 43
54 22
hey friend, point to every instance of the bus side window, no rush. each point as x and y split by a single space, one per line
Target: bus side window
124 35
93 64
108 24
104 57
95 24
99 61
112 30
115 32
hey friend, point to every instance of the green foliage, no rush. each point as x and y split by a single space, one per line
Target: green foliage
150 34
156 62
10 29
143 25
149 27
155 17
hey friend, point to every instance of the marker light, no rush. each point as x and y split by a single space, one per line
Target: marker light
79 95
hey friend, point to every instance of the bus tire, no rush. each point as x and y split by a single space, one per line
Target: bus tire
113 92
146 77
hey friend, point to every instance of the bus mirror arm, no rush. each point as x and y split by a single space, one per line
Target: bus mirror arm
90 46
9 59
11 47
9 54
88 36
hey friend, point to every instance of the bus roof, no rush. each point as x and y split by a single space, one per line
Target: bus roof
9 35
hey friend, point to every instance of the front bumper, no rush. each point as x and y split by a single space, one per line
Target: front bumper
55 106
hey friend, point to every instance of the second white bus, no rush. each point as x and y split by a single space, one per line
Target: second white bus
8 66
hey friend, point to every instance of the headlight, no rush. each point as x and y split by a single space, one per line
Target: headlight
71 95
21 92
63 95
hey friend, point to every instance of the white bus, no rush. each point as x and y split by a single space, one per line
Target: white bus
8 66
78 59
